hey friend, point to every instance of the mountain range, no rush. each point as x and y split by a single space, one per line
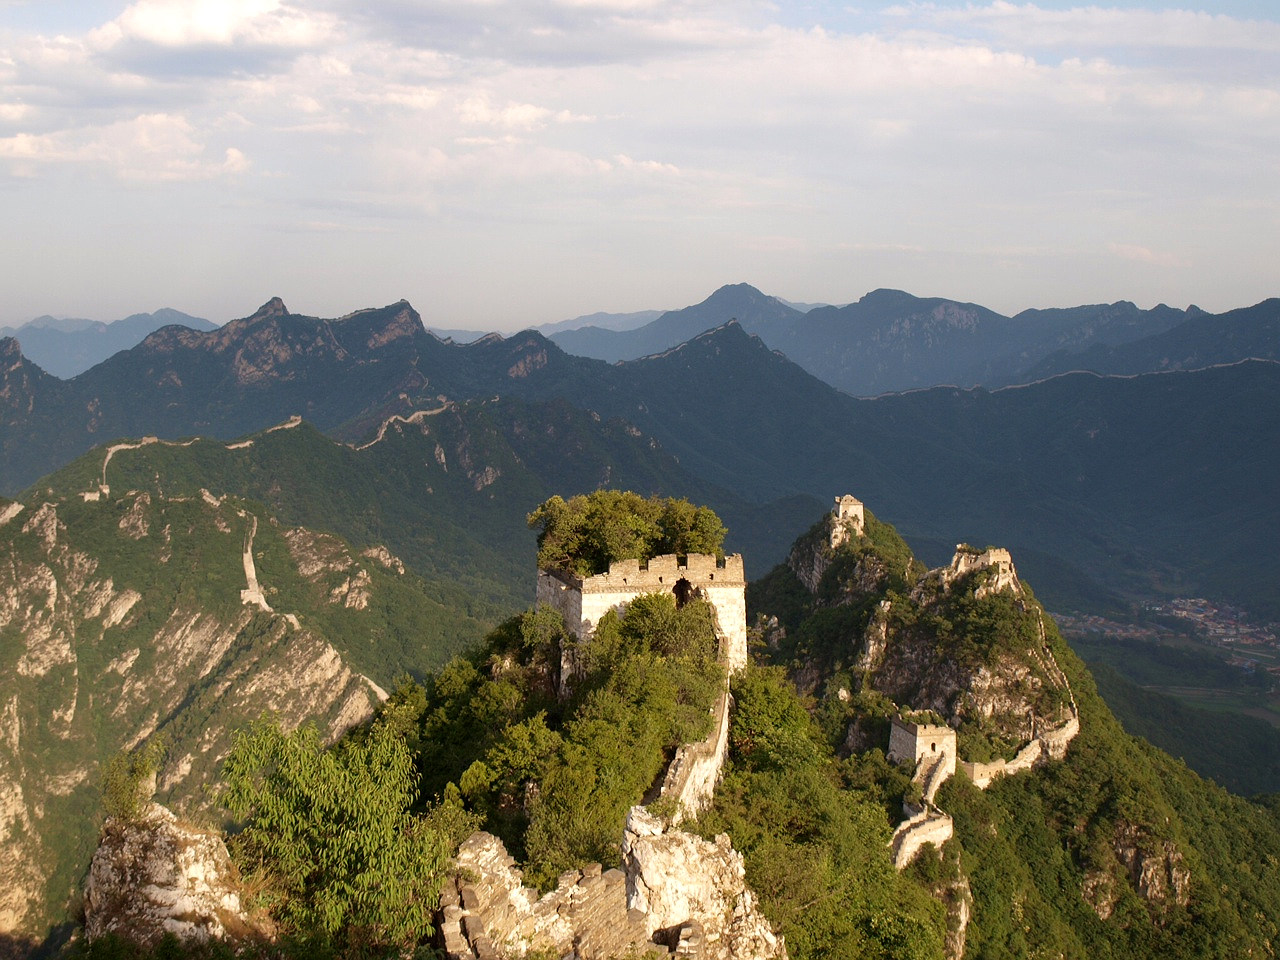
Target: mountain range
344 499
1112 486
892 341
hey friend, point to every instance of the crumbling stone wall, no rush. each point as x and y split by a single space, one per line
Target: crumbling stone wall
849 519
927 825
998 559
1049 744
695 771
677 895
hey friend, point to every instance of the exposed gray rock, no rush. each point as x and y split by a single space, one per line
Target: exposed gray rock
674 877
676 892
153 876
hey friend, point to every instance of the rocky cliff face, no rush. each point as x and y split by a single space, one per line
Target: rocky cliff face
676 893
1155 868
127 616
968 645
155 876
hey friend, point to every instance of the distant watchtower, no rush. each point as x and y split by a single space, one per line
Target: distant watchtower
850 519
582 602
923 743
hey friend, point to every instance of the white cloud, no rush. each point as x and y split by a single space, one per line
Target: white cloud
194 23
26 146
522 116
235 161
999 127
646 166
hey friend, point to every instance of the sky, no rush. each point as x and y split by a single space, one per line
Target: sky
504 163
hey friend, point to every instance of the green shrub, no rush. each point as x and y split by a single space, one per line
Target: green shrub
330 835
128 781
586 533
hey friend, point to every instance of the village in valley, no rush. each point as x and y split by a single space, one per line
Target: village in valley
1227 631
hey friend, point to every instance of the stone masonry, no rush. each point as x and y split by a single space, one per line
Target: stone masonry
850 520
582 602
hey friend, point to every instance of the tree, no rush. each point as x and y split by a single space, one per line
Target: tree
129 781
586 533
330 835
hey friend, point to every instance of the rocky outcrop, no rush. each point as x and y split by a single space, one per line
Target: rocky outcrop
675 877
1155 869
676 893
487 913
155 876
957 897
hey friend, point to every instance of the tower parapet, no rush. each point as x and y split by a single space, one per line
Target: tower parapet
722 583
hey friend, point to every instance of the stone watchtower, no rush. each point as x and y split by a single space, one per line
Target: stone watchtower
582 602
922 743
849 518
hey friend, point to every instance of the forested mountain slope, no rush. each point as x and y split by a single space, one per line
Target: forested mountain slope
1088 477
152 615
1110 849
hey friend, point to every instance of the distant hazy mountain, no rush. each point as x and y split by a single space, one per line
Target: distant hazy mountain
893 341
69 347
888 340
458 336
803 307
604 321
1202 340
739 301
607 321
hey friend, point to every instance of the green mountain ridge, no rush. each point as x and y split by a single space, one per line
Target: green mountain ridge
1093 474
1115 850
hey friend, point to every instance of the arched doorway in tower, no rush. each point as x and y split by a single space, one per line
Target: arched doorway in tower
683 591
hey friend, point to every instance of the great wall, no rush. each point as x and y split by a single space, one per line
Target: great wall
933 747
674 909
676 894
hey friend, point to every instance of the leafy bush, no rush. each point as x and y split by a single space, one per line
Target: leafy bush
815 846
330 835
586 533
555 777
129 780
